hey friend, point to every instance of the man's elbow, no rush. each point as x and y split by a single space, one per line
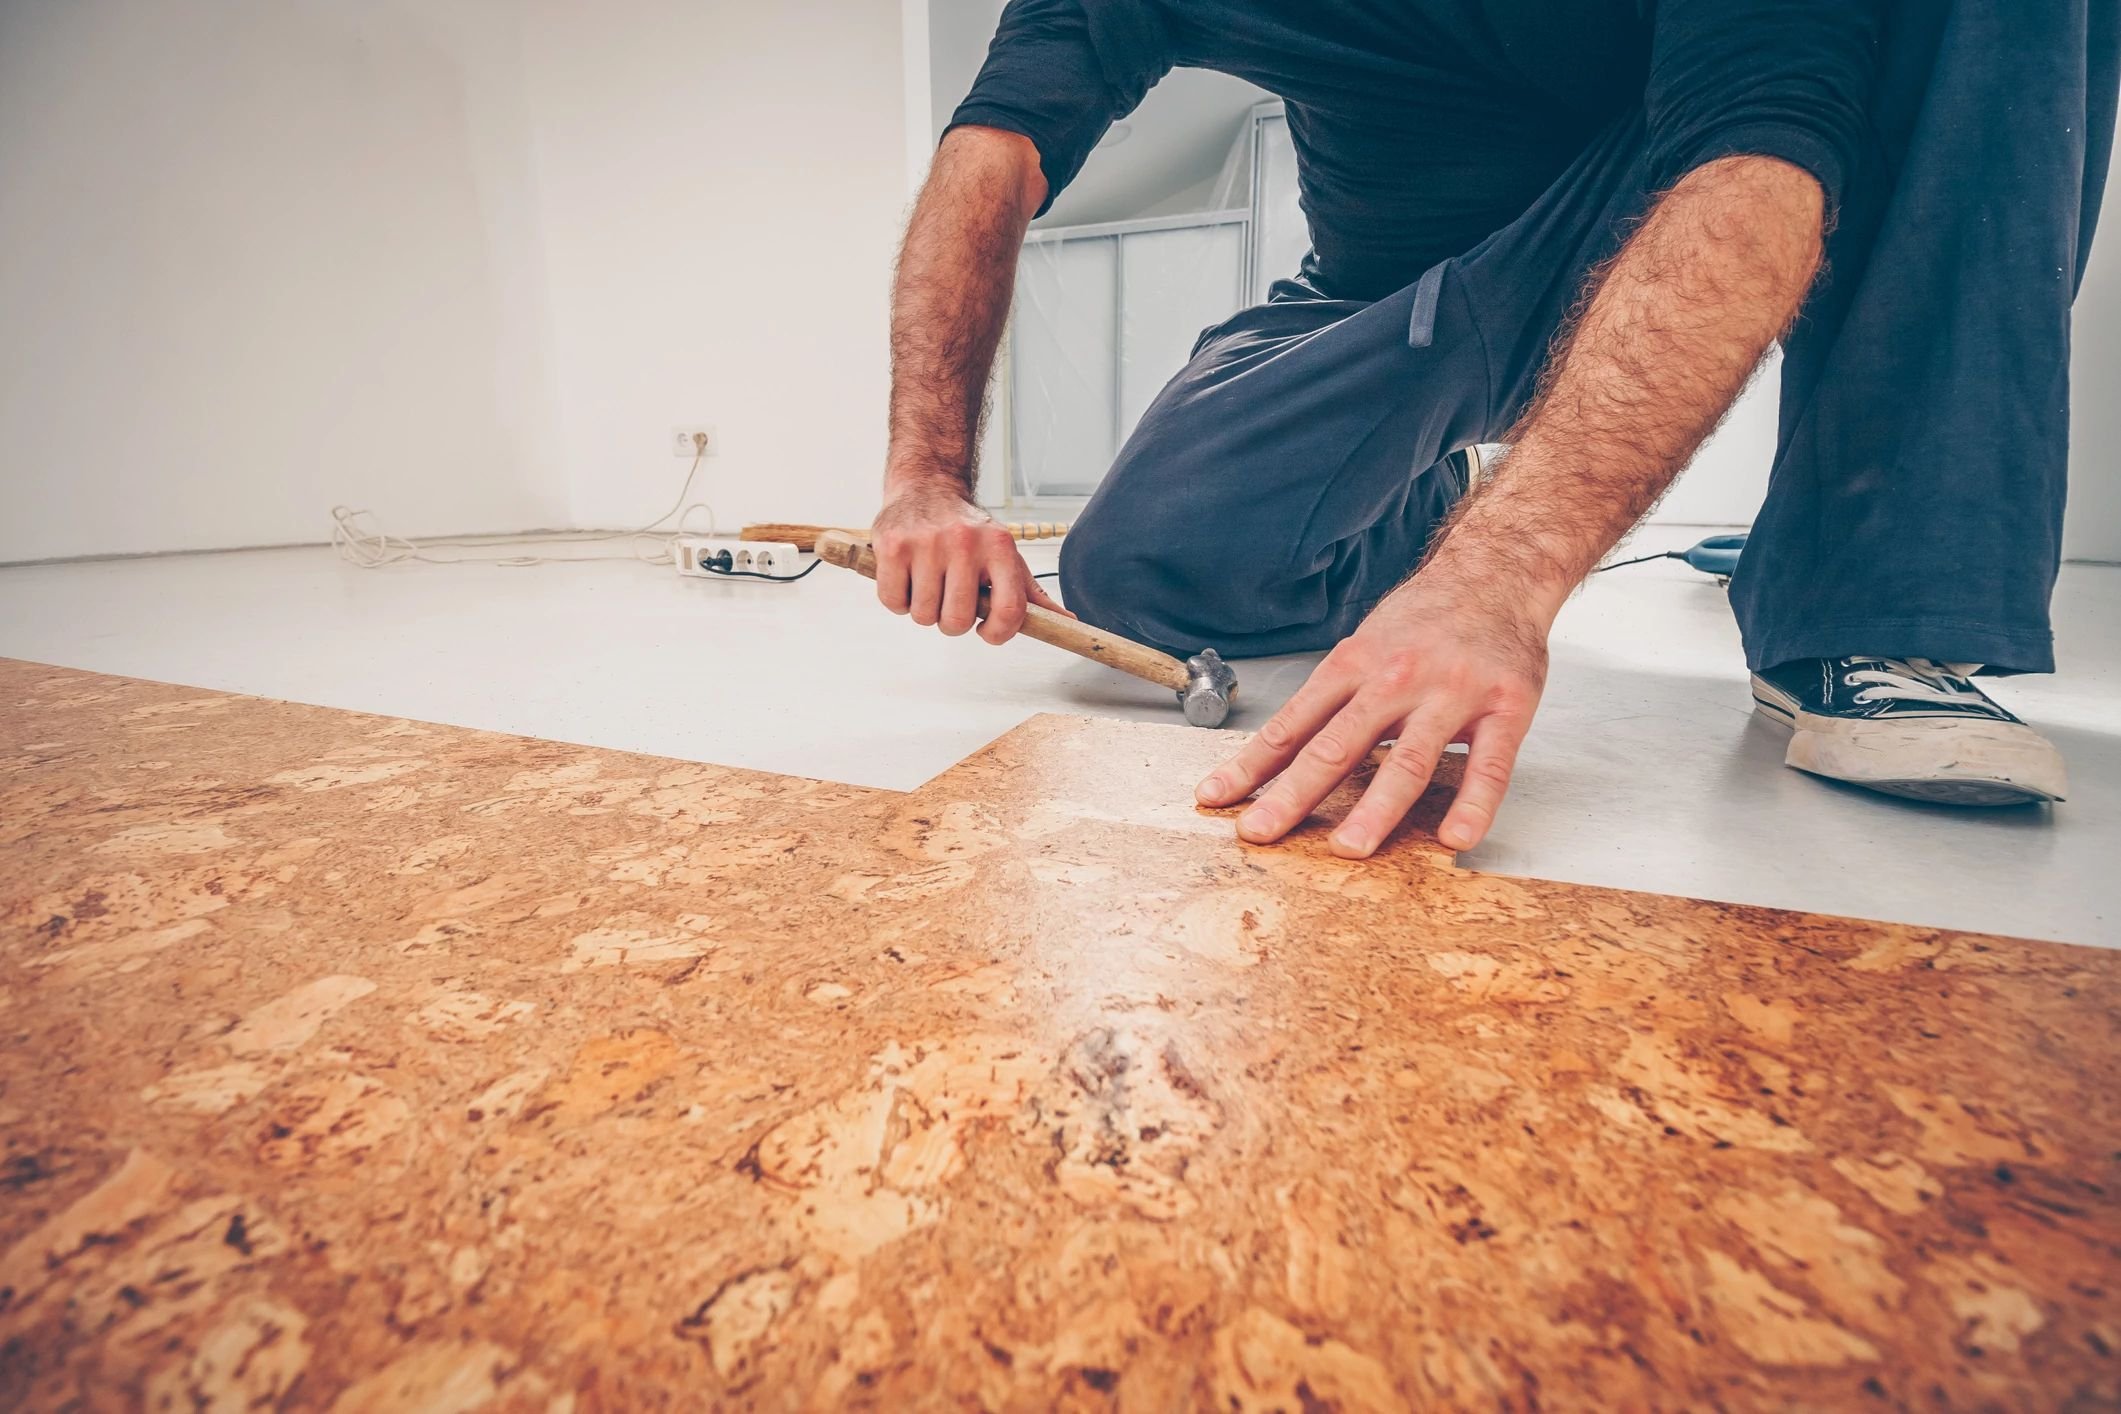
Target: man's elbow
1007 158
1769 207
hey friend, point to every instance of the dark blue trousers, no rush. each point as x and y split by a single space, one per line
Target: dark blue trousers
1288 478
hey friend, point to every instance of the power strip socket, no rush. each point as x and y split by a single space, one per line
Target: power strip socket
692 554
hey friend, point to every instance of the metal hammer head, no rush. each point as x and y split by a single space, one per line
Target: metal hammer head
1209 687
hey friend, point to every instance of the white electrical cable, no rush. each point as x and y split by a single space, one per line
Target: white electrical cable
358 540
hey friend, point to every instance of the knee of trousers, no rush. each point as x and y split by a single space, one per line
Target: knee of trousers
1101 576
1116 575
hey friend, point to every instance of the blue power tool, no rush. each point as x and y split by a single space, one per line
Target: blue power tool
1717 555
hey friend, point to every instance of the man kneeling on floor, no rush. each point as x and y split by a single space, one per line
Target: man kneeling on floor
1575 229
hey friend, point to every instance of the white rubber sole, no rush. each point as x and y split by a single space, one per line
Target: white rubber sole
1944 760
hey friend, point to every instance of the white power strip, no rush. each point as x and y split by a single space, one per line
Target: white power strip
693 554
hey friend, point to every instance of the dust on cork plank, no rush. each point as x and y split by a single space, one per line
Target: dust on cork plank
358 1063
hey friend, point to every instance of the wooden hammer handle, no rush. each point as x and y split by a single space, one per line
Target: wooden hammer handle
804 537
1042 624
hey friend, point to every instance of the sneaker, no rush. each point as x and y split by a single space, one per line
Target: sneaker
1460 472
1470 466
1910 727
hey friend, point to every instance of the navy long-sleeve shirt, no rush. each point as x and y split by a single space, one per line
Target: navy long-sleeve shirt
1421 126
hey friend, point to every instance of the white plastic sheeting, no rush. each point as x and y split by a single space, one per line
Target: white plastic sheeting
1281 238
1106 314
1064 395
1104 317
1175 283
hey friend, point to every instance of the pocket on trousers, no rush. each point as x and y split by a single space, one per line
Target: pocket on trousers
1428 293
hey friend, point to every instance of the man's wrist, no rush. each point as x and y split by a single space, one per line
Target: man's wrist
1508 539
1520 577
901 478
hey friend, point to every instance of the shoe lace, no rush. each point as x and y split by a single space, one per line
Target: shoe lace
1913 680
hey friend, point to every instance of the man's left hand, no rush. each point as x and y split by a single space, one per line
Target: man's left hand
1439 660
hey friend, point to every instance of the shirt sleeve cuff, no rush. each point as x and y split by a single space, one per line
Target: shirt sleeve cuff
1793 145
984 115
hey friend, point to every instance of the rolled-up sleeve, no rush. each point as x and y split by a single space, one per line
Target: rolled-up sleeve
1061 72
1775 78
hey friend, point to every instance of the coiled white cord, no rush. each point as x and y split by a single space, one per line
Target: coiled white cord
359 540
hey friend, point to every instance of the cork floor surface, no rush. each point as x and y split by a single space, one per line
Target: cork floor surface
356 1063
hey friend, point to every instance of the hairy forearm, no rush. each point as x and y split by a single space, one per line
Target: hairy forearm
1675 325
950 300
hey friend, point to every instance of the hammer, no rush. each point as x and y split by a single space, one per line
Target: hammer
1204 683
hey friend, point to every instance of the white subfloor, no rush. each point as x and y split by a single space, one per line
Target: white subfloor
1646 769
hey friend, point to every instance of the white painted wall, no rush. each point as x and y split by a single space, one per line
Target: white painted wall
261 256
958 33
916 59
1727 480
463 262
722 186
2092 530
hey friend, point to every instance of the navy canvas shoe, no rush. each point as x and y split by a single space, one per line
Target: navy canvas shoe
1911 727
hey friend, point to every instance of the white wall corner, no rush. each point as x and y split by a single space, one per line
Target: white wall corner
920 100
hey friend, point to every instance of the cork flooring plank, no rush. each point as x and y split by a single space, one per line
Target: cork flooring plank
358 1063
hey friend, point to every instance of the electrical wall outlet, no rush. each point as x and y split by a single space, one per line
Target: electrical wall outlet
693 554
689 442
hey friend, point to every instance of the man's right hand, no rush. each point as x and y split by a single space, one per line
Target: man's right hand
935 552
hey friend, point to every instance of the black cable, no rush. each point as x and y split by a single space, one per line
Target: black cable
1049 574
1643 560
754 574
